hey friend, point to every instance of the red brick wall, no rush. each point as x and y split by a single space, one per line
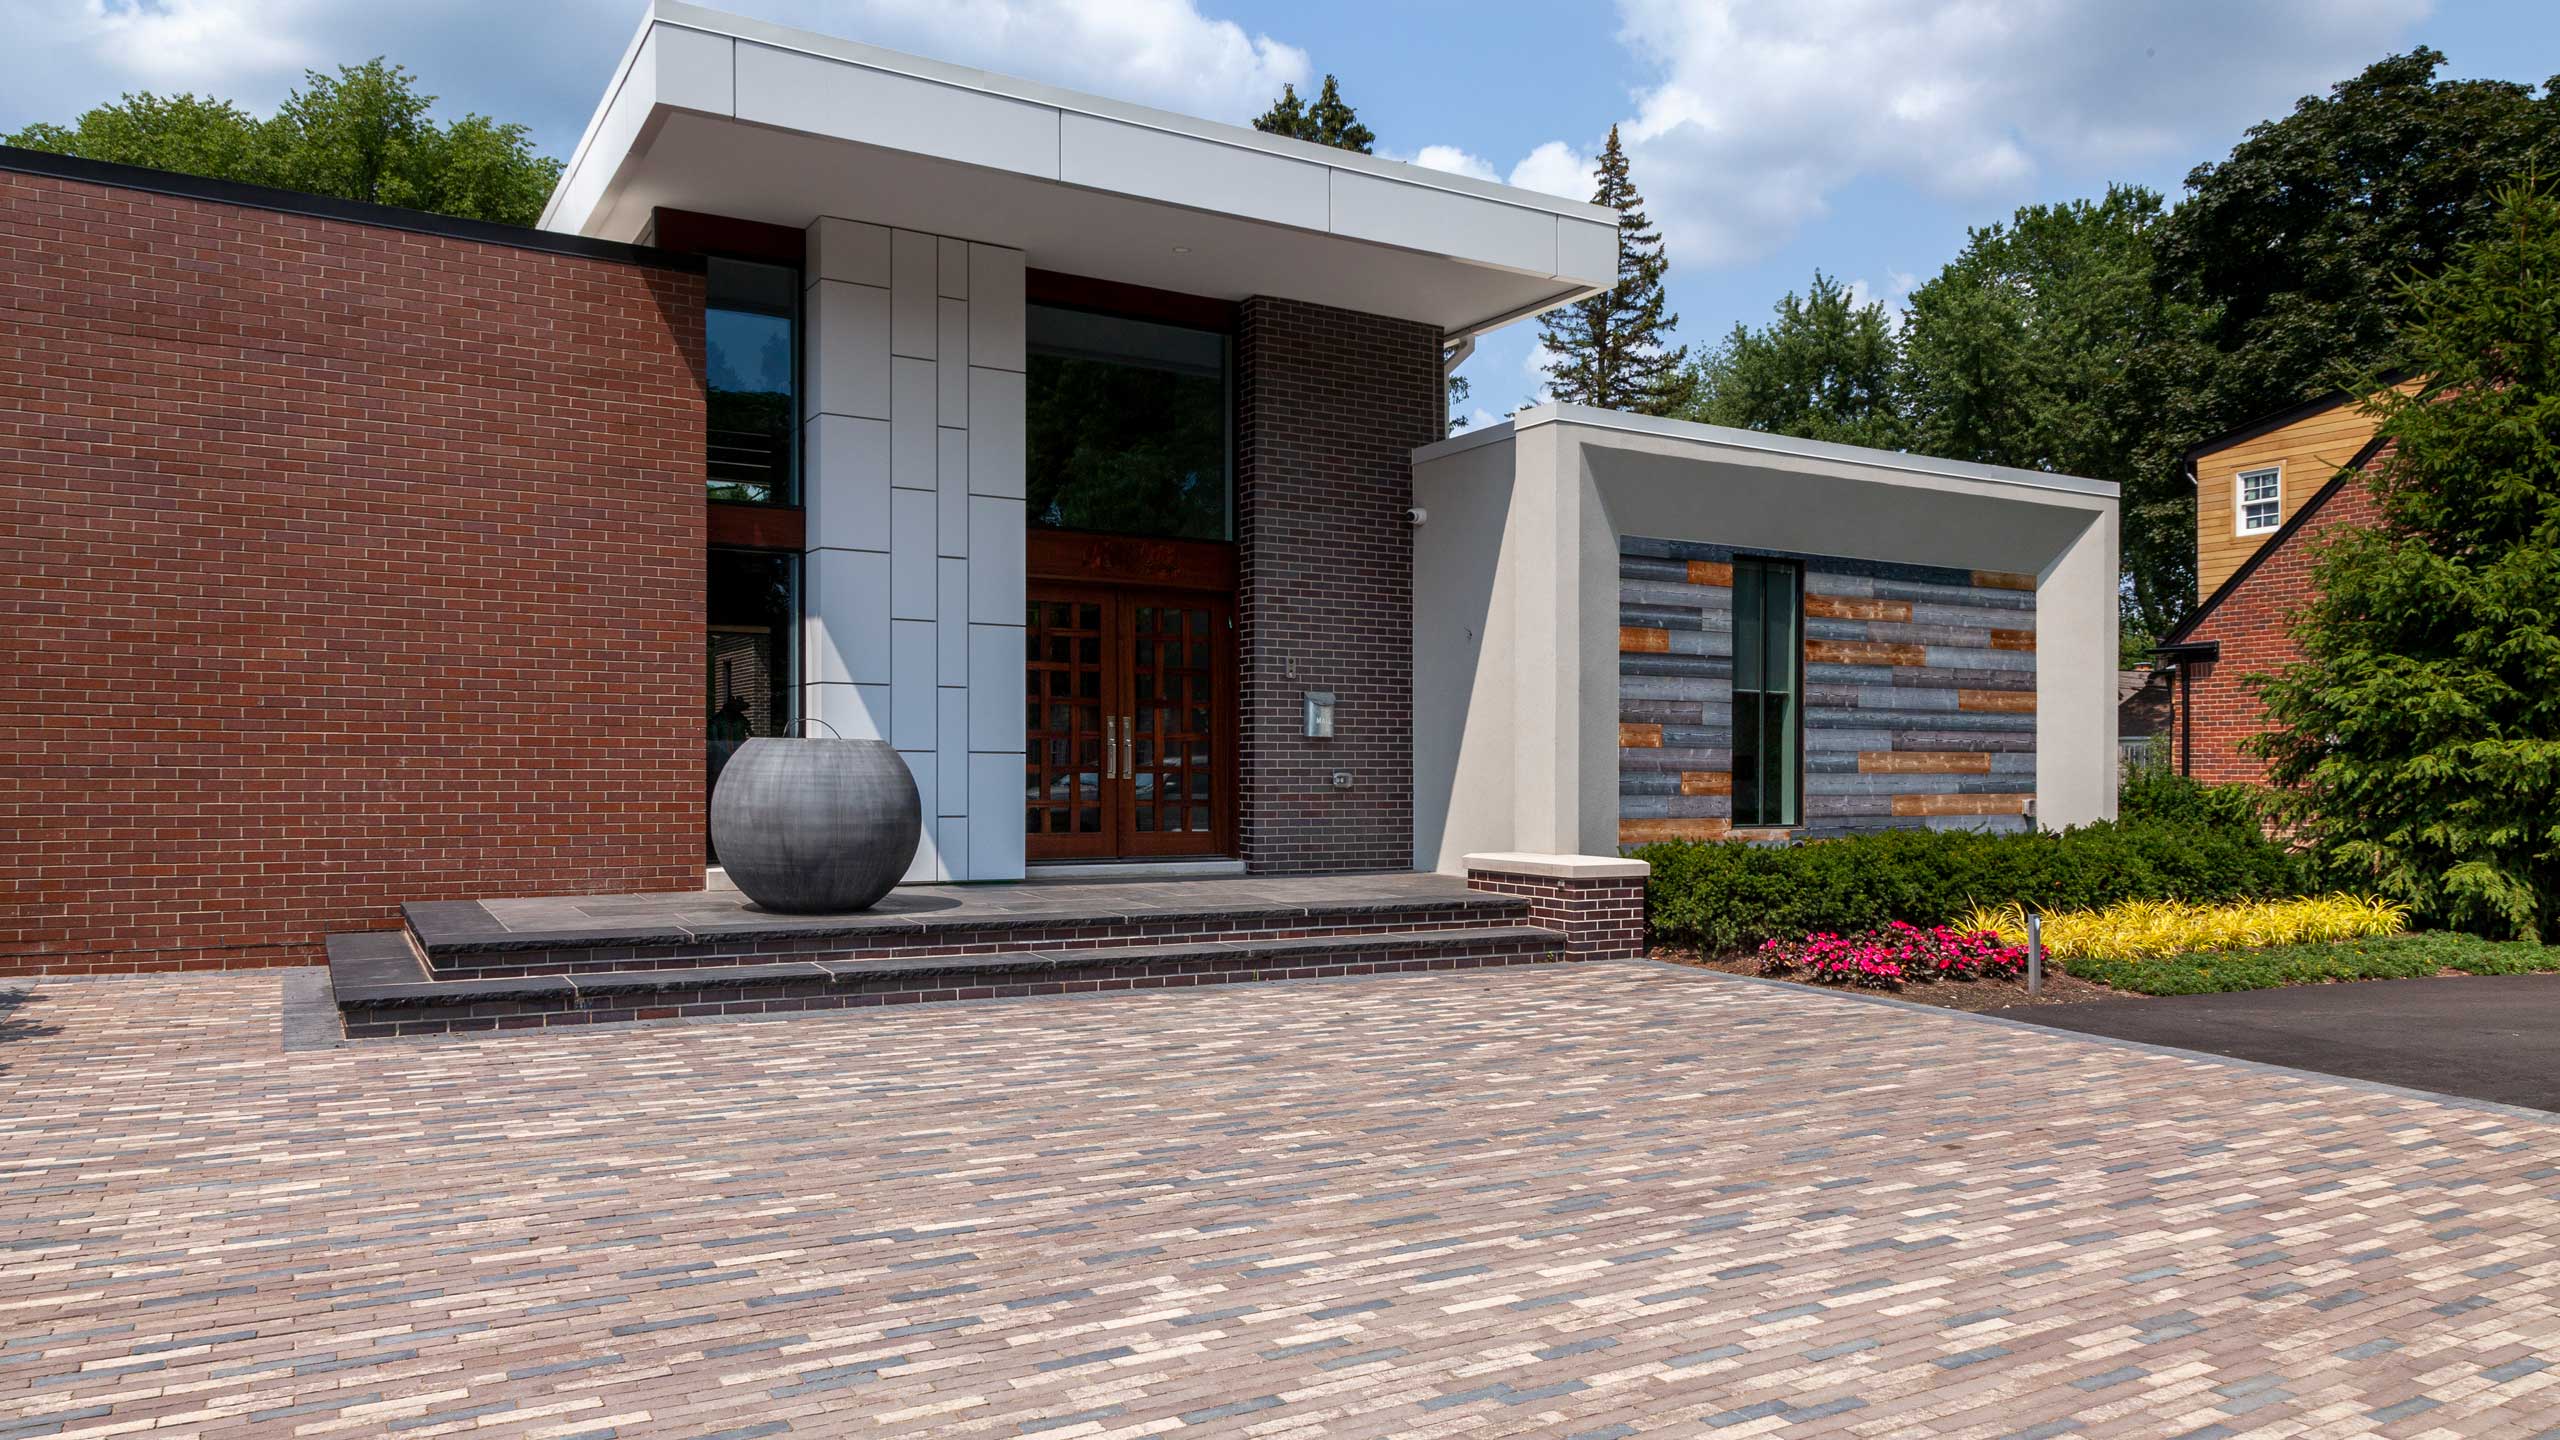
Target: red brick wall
341 566
1331 404
2252 625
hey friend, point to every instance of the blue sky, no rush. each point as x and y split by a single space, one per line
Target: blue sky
1770 137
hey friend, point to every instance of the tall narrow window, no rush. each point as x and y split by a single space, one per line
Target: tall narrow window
750 678
1765 670
751 372
2261 497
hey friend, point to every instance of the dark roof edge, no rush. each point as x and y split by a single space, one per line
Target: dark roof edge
2178 634
2287 416
325 207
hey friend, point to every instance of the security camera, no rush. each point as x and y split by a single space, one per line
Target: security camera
1416 515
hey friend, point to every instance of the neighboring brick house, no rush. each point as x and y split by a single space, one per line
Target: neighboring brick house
2279 485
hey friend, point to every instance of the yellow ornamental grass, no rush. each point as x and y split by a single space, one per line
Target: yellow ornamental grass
2148 929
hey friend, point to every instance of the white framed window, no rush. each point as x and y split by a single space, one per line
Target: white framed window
2261 500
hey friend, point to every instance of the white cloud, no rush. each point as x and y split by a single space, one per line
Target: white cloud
546 64
1555 168
1455 161
1157 52
1764 109
1534 365
1862 295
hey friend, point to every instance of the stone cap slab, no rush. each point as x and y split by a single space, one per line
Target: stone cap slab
1559 867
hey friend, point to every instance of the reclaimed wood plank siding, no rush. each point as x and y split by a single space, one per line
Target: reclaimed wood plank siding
1919 695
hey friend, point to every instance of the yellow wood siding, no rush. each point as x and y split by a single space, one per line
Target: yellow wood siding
2306 454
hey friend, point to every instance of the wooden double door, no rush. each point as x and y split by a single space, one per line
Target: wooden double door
1131 711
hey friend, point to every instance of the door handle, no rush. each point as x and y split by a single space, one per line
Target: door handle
1129 736
1110 747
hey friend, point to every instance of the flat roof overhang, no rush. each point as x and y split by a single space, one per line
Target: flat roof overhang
715 113
1677 477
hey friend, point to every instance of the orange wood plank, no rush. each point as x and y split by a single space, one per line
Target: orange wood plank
2013 639
1710 572
1706 782
2003 580
1863 652
1643 832
2007 702
1639 737
1923 762
1842 607
1642 640
1959 805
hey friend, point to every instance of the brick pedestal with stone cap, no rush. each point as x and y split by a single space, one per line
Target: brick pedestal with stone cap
1597 901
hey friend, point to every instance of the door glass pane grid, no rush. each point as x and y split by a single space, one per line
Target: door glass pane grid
1063 719
1173 720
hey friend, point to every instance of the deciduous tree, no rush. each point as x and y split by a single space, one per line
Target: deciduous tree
1826 368
2044 345
364 133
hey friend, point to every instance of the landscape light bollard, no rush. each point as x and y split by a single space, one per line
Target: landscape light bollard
2035 954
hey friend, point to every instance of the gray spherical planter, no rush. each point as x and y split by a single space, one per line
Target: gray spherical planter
814 826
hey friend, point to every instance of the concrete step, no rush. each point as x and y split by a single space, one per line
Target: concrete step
384 987
465 940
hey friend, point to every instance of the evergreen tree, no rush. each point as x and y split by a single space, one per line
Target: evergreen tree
361 134
1329 121
2417 742
1610 350
1826 368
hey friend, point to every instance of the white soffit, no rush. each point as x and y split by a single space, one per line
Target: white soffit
716 113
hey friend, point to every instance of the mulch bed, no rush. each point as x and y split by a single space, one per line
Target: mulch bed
2059 989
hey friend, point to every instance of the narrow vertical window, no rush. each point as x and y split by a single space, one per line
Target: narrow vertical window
751 371
2261 497
1765 666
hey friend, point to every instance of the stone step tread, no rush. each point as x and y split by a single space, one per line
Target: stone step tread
456 927
379 968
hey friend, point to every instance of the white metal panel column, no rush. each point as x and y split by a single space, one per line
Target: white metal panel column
914 576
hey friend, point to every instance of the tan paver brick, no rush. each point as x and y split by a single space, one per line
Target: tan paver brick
1531 1202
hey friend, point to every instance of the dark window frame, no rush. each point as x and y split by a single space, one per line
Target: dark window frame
1793 812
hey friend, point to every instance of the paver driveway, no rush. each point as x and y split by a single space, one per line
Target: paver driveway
1605 1200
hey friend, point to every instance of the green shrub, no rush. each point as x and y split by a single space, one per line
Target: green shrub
1729 896
2158 795
2399 957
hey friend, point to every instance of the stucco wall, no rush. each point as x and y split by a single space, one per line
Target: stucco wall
1517 744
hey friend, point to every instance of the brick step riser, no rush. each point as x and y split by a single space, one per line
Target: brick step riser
477 964
796 995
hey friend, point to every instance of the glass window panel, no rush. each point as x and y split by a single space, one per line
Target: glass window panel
1129 426
751 687
751 320
1767 652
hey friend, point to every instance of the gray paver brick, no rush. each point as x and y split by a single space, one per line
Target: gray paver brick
1604 1201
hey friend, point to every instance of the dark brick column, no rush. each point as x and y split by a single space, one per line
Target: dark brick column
1330 405
1596 902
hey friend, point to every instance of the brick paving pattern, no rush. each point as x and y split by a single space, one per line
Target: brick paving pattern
1599 1200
